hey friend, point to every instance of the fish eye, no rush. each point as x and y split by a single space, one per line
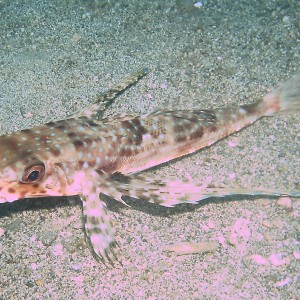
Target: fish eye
34 175
34 172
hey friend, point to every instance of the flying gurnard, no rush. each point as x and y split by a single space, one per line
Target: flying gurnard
86 155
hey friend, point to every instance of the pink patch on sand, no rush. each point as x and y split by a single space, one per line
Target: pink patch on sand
40 245
208 179
211 224
231 144
57 250
231 175
296 254
277 260
32 239
283 282
258 259
77 279
240 234
28 115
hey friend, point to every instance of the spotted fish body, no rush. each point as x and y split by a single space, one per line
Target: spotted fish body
84 155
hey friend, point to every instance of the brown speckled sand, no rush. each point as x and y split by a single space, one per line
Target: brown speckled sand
55 55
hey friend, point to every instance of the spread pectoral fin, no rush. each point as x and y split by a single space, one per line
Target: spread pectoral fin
171 191
166 192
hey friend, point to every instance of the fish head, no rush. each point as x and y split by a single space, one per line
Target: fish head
31 166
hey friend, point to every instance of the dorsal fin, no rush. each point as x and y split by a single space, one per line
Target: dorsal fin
103 100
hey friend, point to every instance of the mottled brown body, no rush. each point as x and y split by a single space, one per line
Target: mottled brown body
85 156
127 144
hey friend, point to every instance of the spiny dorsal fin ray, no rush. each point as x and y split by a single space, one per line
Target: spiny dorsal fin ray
103 100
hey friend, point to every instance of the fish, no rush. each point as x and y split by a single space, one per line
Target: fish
88 155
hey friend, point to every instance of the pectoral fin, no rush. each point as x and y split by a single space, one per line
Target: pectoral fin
172 191
166 192
99 230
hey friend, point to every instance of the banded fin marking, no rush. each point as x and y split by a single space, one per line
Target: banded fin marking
172 191
99 230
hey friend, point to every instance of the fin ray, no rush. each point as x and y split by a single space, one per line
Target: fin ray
102 101
99 230
172 191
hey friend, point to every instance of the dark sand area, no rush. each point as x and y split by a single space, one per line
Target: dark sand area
56 55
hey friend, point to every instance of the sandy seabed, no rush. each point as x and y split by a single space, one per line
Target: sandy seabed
55 55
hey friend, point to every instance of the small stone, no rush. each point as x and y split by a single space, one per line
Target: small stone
277 259
198 4
33 266
296 254
29 283
231 176
283 282
232 144
285 201
39 282
28 115
286 19
267 224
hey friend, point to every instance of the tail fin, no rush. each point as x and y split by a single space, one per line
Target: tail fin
284 98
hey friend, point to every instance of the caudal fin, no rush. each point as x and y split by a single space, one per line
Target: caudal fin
284 98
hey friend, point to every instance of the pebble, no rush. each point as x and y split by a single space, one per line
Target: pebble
283 282
231 176
277 259
58 250
285 201
286 19
198 4
267 224
231 144
296 254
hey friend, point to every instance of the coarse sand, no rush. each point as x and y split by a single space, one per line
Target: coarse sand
55 55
